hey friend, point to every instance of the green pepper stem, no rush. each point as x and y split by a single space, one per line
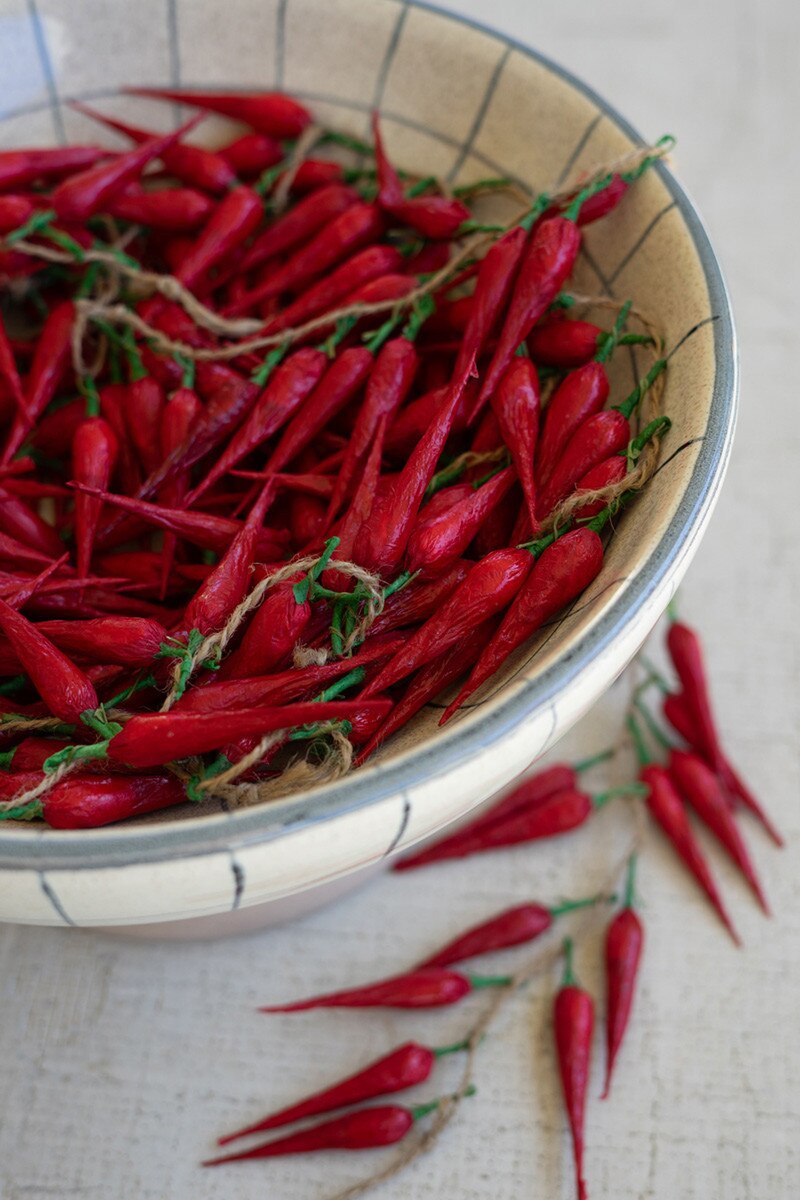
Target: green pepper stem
34 224
642 753
540 204
654 729
376 337
485 981
420 186
343 327
630 883
628 789
89 390
609 341
586 763
423 1110
351 679
598 185
16 684
424 307
466 189
664 144
568 978
629 405
262 374
453 1048
7 757
558 910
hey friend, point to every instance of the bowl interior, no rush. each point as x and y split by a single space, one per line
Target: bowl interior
462 103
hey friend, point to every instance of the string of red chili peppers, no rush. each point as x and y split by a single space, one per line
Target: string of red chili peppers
548 803
468 525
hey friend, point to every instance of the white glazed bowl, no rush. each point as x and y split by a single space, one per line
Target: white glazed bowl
463 103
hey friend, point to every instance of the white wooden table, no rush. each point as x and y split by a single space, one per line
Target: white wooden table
122 1060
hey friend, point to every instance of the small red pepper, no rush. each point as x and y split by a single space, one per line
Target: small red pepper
512 927
435 217
21 167
427 987
251 154
63 687
172 210
334 287
573 1024
298 224
21 521
234 219
272 113
439 540
623 951
94 453
566 344
596 439
516 403
50 361
84 801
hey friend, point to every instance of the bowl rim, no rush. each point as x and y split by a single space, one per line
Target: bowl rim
125 845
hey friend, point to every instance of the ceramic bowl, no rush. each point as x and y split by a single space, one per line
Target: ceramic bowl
461 102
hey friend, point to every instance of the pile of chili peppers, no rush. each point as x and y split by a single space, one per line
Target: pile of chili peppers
697 779
220 365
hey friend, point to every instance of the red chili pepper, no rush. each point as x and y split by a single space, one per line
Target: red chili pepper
113 402
681 719
14 211
602 203
85 801
178 417
201 529
497 273
293 381
516 403
487 589
336 388
251 154
596 439
234 219
62 686
278 624
426 684
50 361
609 471
31 753
419 600
512 927
226 586
436 543
127 641
384 537
364 1129
667 809
526 796
21 167
22 522
316 173
94 453
151 739
88 192
389 383
192 165
700 787
298 224
573 1024
403 1068
272 113
435 217
364 267
385 287
562 572
358 226
623 950
428 987
567 344
173 210
548 260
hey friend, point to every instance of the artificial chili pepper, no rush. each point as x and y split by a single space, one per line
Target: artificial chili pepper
602 202
435 217
700 787
547 261
87 192
21 167
22 522
667 809
437 542
315 173
251 154
364 1129
488 588
128 641
497 273
561 777
151 739
236 216
516 403
94 453
32 752
566 344
178 416
605 474
427 987
558 813
193 165
563 570
298 224
272 113
9 375
358 226
512 927
173 210
428 683
50 361
573 1025
277 625
202 529
63 687
623 951
403 1068
333 288
86 801
219 594
292 382
596 439
383 539
681 719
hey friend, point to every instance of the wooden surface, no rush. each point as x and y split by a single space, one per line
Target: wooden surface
122 1061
